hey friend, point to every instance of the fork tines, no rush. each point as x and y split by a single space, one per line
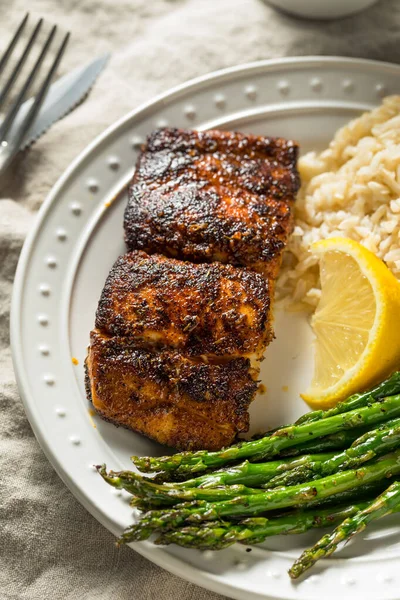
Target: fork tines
6 125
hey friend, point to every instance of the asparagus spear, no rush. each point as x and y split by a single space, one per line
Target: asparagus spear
351 496
327 444
219 535
336 441
144 502
346 498
389 387
194 462
245 473
292 471
306 468
380 441
256 529
374 443
161 495
299 495
385 504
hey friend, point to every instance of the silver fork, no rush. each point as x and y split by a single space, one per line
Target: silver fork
9 146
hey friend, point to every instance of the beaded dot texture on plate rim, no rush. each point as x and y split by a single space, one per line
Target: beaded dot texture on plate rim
316 84
76 208
92 185
190 111
283 87
114 163
44 289
61 234
51 262
348 85
49 379
220 100
251 92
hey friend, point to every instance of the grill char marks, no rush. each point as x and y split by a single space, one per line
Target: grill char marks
199 309
213 196
177 401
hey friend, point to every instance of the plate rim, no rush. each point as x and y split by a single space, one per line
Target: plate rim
163 559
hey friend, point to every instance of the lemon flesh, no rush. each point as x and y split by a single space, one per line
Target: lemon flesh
356 324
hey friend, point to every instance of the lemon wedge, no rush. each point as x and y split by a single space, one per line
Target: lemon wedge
356 323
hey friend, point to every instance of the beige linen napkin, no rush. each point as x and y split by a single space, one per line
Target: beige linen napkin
50 547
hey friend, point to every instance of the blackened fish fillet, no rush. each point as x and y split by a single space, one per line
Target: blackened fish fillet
198 309
185 316
178 401
214 196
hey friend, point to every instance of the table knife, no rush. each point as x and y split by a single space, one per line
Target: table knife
63 96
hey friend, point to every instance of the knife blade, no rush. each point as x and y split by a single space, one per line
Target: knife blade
63 96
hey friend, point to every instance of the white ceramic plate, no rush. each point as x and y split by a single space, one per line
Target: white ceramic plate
62 269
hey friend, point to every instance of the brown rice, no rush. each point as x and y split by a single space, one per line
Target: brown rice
351 189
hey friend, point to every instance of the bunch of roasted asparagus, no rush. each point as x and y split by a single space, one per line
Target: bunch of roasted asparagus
338 466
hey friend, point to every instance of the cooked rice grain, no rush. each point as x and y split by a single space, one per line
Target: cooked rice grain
351 189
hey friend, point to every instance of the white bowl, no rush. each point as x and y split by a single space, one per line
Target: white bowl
321 9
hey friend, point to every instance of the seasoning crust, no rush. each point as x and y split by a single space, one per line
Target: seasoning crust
167 396
200 309
213 196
